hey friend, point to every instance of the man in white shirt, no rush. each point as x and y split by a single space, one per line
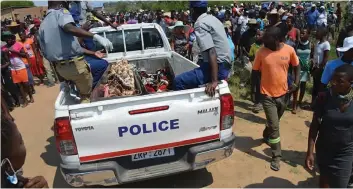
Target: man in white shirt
243 22
322 18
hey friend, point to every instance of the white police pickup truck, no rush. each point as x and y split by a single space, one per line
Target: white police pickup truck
135 138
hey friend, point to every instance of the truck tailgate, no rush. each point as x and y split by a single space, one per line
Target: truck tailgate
145 123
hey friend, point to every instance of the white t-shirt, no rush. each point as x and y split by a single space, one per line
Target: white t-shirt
17 63
322 19
243 21
319 52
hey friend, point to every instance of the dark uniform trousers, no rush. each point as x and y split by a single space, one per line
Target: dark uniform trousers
274 108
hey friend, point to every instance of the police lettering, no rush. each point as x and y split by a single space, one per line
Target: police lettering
145 129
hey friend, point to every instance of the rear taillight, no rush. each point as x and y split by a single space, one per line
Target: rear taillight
65 142
227 111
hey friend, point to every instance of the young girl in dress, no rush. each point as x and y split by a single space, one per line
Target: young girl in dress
304 54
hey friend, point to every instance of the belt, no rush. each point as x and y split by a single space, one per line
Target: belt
76 58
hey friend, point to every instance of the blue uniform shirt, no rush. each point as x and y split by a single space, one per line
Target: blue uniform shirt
312 17
210 33
56 44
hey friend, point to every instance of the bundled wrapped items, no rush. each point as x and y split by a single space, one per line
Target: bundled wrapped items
120 80
157 82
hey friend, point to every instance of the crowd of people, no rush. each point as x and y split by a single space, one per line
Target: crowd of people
283 46
22 62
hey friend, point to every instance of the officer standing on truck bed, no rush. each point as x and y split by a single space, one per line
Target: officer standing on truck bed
60 46
213 43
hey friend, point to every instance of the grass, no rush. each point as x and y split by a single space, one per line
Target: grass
332 53
238 83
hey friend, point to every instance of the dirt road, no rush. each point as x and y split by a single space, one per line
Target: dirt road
247 167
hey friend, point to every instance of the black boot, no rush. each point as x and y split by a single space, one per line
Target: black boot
276 156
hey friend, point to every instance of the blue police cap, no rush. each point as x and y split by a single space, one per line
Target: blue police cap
198 4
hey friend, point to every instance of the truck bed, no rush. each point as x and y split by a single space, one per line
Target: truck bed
175 62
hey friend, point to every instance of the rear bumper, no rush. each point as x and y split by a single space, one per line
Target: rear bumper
111 173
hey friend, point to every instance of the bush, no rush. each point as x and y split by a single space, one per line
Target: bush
239 82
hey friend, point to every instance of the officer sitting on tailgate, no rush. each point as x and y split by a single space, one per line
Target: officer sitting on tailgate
213 43
60 46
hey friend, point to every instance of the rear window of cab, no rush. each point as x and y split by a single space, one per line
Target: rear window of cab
151 39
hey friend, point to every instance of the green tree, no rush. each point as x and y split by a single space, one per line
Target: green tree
150 5
5 4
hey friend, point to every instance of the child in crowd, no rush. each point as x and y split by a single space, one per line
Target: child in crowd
320 59
230 43
231 46
35 68
255 87
304 53
27 60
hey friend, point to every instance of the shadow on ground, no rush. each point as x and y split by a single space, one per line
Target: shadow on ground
59 181
290 157
51 156
275 182
245 144
243 104
250 117
195 179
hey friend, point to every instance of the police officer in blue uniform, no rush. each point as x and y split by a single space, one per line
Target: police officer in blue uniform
216 56
57 37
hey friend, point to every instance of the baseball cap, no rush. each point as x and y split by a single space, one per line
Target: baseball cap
347 44
313 5
293 5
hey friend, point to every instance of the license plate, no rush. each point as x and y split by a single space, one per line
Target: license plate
153 154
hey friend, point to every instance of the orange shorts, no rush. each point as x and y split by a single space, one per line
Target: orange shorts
19 76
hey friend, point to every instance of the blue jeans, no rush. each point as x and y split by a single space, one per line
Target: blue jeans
198 76
30 76
98 67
